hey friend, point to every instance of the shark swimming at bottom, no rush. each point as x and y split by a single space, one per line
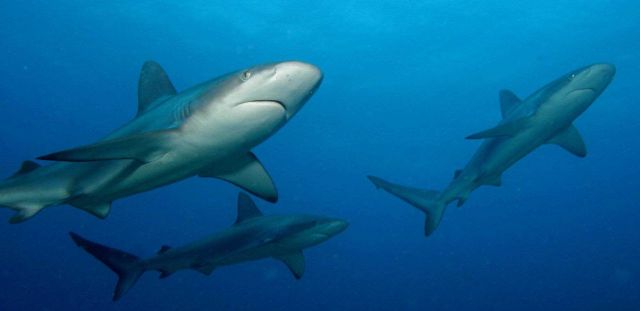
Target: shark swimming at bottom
545 117
252 237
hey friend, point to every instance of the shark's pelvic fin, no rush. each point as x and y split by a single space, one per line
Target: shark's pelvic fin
425 200
125 265
153 86
205 269
495 180
143 147
100 210
508 101
26 167
247 209
163 249
571 140
295 263
248 174
508 129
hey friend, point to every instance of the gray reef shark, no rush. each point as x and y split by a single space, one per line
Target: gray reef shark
252 237
545 117
207 130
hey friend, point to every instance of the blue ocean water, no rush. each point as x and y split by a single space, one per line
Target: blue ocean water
405 82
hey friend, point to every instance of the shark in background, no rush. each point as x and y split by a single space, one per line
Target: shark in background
207 130
545 117
252 237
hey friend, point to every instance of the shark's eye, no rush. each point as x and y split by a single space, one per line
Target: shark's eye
572 76
245 76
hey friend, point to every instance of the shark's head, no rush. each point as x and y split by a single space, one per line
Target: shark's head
306 231
255 102
574 92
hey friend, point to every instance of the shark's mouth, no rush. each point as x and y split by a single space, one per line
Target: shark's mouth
264 102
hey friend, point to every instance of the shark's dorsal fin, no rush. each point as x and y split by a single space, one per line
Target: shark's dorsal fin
571 140
295 263
143 147
26 167
508 101
163 249
508 129
153 84
247 209
247 173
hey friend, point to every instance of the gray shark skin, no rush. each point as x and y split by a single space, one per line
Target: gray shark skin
252 237
207 130
545 117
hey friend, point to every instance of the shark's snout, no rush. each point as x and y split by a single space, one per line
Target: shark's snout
299 81
334 226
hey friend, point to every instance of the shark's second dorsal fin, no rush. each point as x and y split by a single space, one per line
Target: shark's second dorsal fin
153 85
247 209
26 167
508 101
164 249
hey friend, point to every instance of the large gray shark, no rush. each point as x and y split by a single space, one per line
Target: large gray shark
252 237
545 117
207 130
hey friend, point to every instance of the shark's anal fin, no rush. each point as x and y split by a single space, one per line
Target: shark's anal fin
508 129
24 212
247 209
295 263
143 147
571 140
26 167
508 101
153 85
247 173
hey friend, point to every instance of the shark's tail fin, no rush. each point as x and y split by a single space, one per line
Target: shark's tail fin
124 264
425 200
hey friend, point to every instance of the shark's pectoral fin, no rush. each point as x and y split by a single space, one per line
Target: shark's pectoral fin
295 263
154 84
508 101
508 129
571 140
248 174
143 147
26 167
